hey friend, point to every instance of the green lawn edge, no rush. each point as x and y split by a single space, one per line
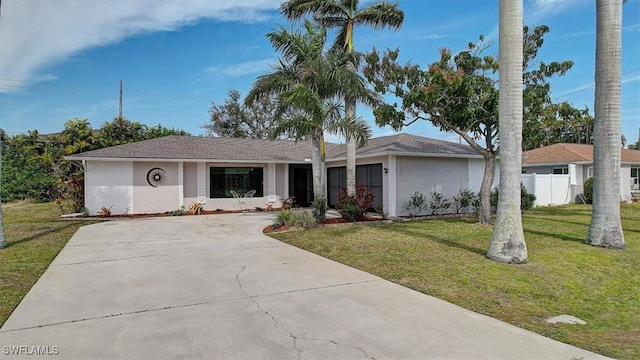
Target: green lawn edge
35 235
445 258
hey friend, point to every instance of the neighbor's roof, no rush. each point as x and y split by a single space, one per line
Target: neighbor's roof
565 153
176 147
406 144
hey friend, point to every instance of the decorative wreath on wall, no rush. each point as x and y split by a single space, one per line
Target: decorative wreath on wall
156 177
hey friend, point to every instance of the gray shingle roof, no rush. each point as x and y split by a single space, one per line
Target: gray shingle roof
234 149
408 144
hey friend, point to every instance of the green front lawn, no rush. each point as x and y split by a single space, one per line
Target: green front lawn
445 258
35 235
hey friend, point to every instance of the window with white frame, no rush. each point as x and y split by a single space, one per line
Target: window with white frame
561 170
635 178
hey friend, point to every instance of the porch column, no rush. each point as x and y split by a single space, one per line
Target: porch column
202 183
271 180
180 183
391 189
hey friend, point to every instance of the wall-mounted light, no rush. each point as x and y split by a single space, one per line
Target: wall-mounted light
386 171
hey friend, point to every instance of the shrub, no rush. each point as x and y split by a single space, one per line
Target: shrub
526 198
294 219
380 210
415 204
464 200
588 190
105 211
438 203
320 208
178 212
302 219
353 207
195 208
282 219
349 209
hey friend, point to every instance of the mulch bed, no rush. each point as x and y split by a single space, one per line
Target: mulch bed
333 221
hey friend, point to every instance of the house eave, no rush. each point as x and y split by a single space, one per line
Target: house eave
227 161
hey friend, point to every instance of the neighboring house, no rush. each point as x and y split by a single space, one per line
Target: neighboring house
166 173
568 166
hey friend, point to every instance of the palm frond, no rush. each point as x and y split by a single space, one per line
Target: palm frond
297 9
381 15
354 128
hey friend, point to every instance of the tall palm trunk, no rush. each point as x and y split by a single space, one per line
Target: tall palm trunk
3 238
507 241
317 167
605 229
350 112
484 212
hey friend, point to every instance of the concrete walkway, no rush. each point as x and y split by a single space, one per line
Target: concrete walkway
214 287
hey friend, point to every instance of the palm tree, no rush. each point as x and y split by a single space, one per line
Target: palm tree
3 238
507 241
307 81
605 229
345 15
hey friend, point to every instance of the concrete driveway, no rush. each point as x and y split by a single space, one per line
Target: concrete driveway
214 287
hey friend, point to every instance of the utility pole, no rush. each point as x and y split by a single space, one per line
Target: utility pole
120 108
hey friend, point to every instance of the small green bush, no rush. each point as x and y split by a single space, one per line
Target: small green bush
349 209
415 204
464 200
294 219
302 219
588 190
438 203
526 198
320 208
178 212
381 212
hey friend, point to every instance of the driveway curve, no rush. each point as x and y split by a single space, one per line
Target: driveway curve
214 287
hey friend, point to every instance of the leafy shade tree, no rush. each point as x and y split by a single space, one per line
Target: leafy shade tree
559 123
507 243
346 15
605 229
635 146
306 82
458 94
160 131
234 118
120 131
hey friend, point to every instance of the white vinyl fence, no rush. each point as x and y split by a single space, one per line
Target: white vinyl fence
549 189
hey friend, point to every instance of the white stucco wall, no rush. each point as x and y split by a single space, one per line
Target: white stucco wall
476 172
190 186
149 199
426 175
109 184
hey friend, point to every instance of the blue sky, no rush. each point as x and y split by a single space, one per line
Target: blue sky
64 59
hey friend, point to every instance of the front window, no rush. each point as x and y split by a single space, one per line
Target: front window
635 178
561 171
239 179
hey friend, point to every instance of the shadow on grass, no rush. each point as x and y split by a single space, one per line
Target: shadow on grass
554 235
40 234
443 241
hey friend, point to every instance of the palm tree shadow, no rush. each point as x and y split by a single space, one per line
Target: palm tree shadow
555 235
441 240
39 235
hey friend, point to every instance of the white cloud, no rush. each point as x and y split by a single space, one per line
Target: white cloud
36 34
433 36
540 9
244 68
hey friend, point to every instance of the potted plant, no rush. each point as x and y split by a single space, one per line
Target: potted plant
287 202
